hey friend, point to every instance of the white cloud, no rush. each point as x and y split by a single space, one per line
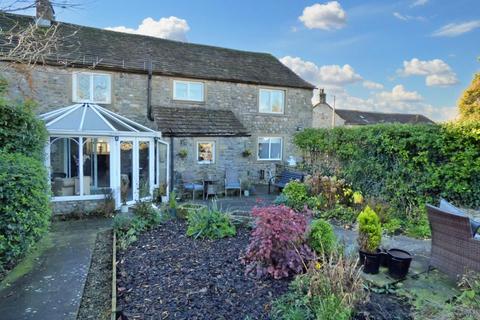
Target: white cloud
400 16
456 29
419 3
168 28
326 16
328 75
408 17
337 75
436 71
372 85
399 94
335 78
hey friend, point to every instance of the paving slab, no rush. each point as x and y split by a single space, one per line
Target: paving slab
434 288
49 282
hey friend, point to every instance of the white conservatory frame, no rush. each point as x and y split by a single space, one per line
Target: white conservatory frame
85 120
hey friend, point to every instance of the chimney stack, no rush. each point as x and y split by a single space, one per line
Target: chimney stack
44 13
322 96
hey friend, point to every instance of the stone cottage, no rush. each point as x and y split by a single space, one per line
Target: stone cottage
215 108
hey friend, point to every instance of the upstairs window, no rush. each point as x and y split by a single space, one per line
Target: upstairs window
188 90
270 148
91 87
271 101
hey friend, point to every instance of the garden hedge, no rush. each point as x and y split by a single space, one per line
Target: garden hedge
406 165
21 131
24 205
24 192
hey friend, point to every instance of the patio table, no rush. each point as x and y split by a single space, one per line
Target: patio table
209 188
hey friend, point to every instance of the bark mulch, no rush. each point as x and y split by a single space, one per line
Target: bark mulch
384 307
97 294
167 275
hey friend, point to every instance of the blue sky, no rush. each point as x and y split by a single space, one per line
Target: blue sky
391 56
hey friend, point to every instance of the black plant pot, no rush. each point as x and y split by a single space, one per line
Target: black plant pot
173 212
361 255
384 258
399 263
371 262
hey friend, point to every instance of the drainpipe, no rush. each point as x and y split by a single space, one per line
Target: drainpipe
149 92
172 167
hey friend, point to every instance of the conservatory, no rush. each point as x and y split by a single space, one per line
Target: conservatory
93 152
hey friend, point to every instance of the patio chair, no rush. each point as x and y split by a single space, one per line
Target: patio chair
189 184
448 207
232 181
454 249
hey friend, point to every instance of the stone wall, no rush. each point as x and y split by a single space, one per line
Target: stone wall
51 87
81 207
322 117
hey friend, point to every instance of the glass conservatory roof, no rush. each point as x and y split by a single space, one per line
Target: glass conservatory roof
91 119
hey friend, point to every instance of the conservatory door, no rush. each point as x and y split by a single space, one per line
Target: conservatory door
136 169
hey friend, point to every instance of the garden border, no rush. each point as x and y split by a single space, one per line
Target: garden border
114 277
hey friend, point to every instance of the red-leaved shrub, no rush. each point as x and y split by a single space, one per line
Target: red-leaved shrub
277 243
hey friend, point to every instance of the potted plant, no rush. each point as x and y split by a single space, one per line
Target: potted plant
369 239
246 153
162 192
172 204
183 153
246 186
124 194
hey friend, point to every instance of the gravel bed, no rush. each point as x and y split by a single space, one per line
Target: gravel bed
97 295
167 275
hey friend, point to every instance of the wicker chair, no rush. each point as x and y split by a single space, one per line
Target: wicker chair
454 248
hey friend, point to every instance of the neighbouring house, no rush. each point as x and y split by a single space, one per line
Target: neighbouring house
133 112
323 115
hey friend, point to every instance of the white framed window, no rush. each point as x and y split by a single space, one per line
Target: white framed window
206 152
188 90
91 87
271 101
270 148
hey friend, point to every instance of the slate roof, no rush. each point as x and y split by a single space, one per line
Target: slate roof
356 117
104 49
198 122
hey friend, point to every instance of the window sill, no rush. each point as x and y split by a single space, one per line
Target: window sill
94 102
188 101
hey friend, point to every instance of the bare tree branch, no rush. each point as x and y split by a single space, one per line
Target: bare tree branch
30 43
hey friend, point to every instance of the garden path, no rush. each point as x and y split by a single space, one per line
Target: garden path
49 282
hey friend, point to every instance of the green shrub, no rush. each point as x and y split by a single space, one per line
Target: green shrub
21 131
297 195
24 205
210 223
172 202
321 237
146 212
317 202
419 226
184 210
369 230
330 292
128 228
392 226
340 213
121 222
404 165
